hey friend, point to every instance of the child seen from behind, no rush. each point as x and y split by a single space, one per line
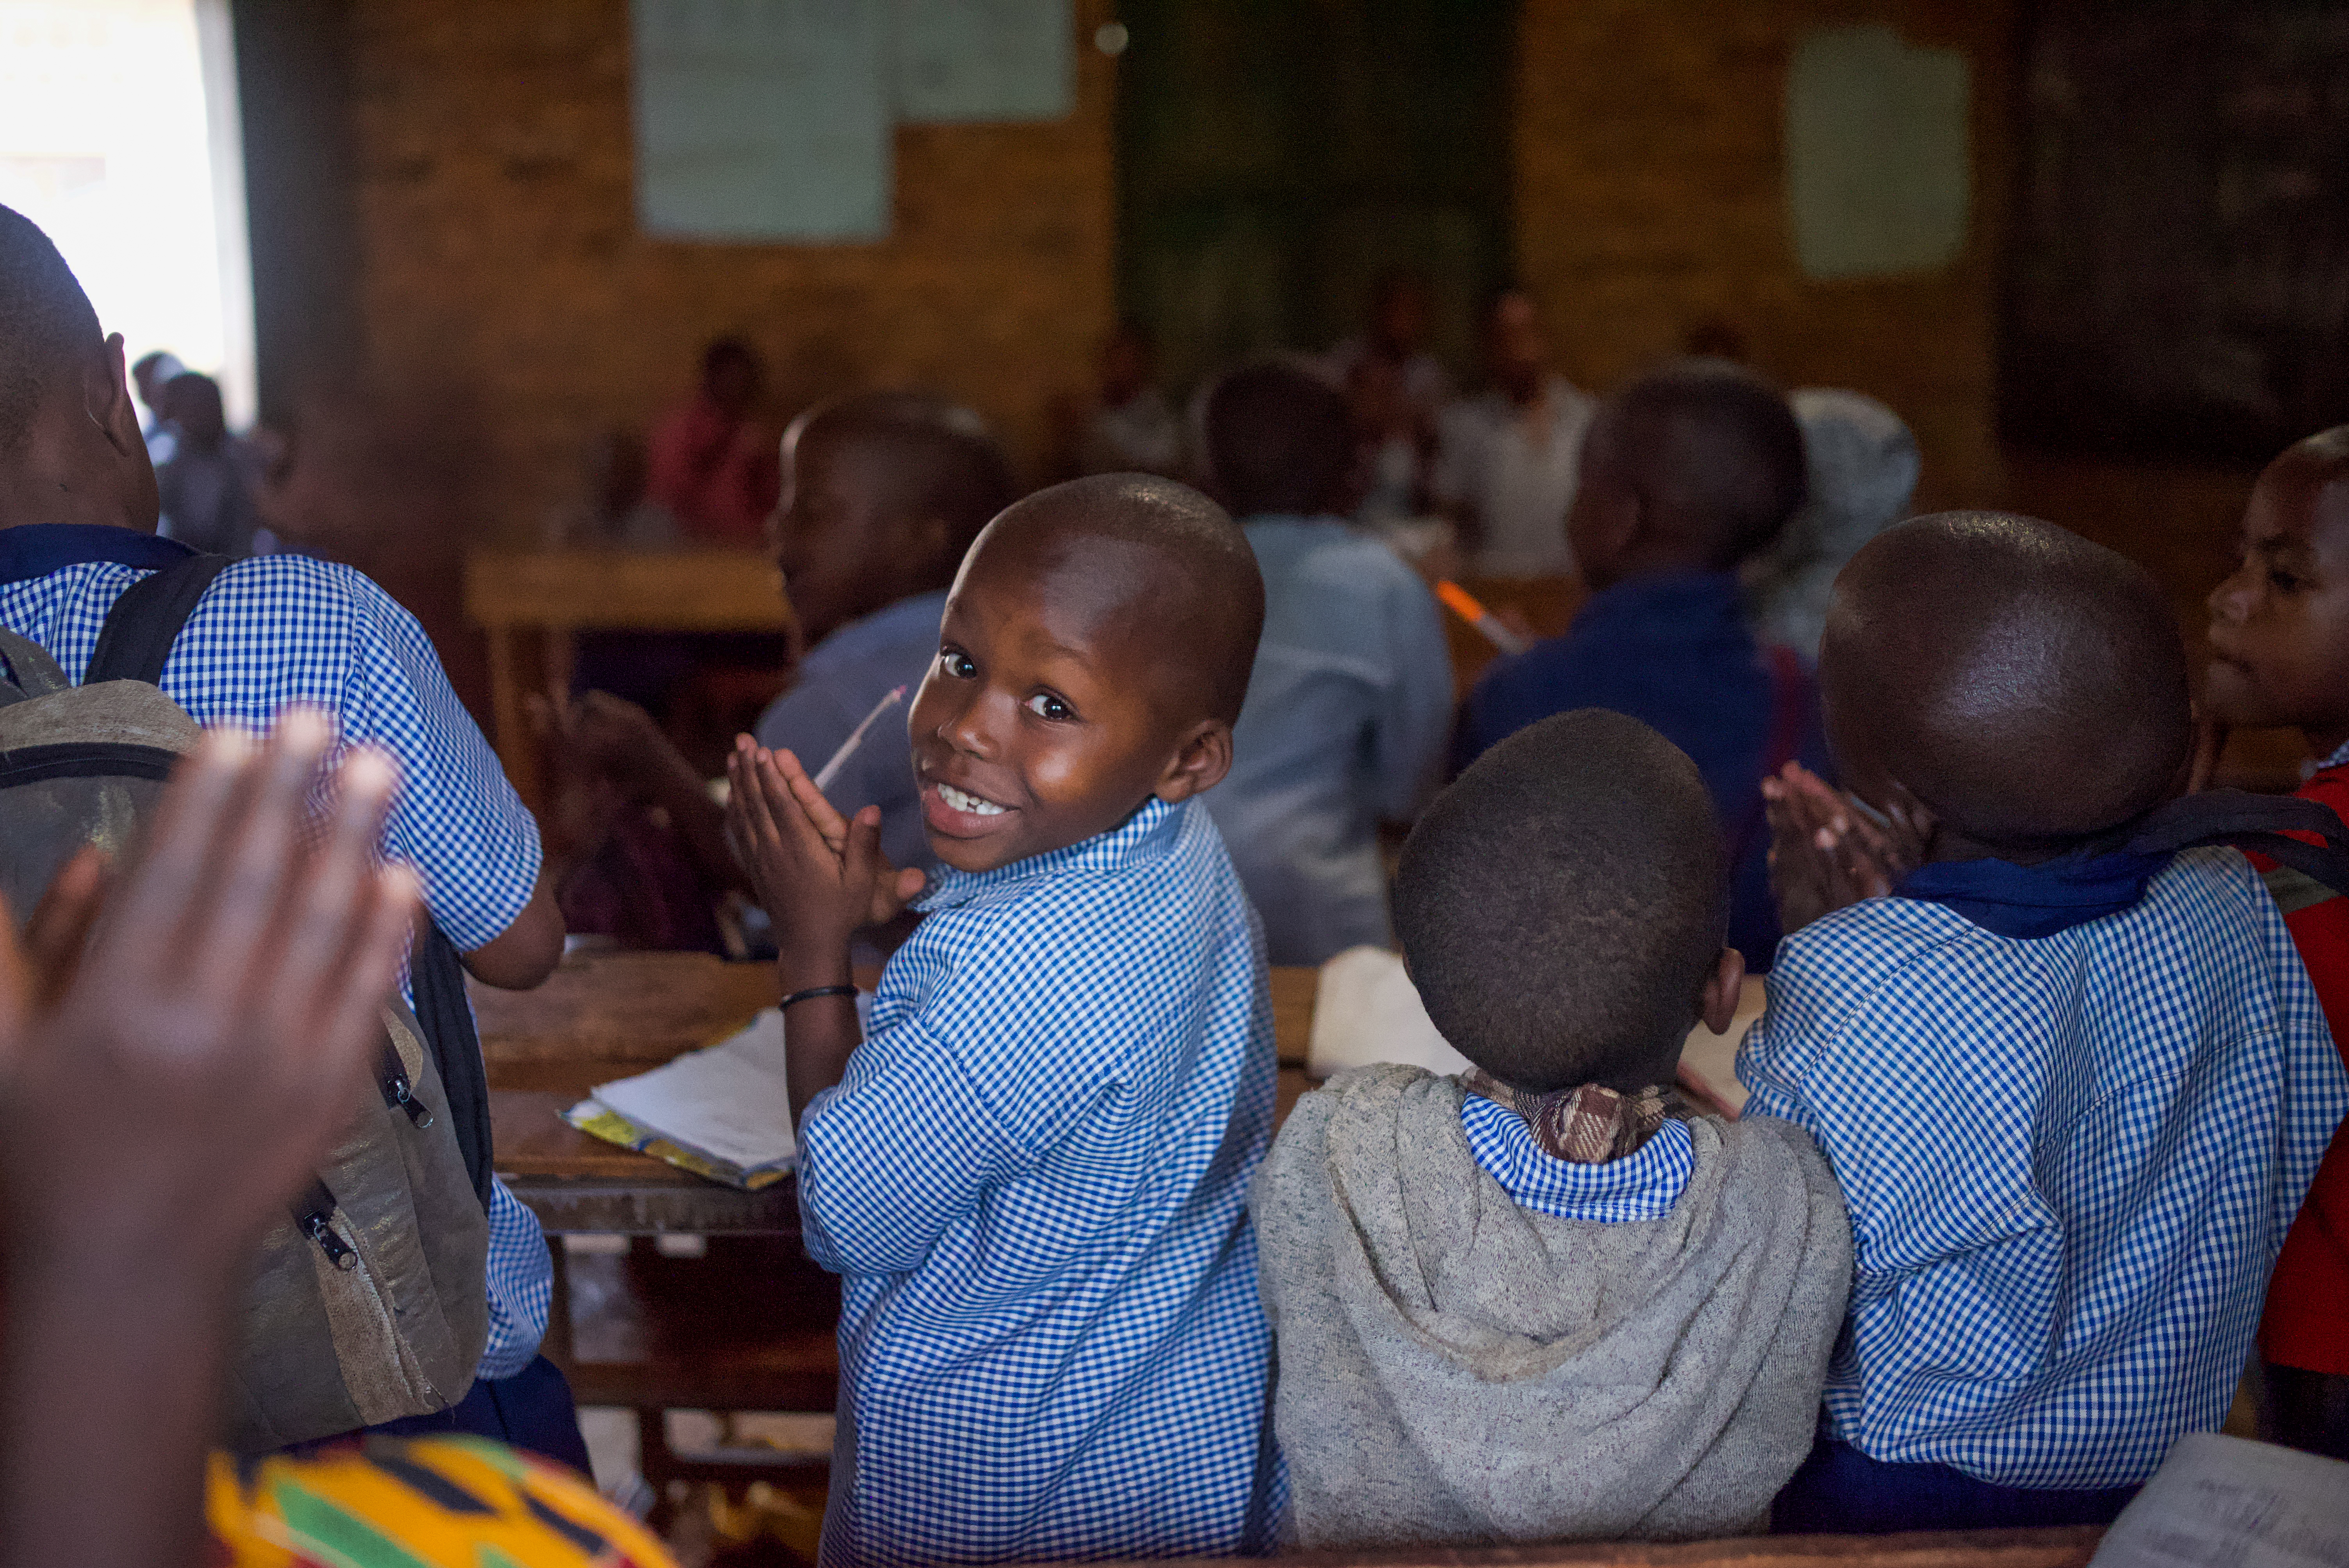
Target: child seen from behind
1546 1300
2071 1073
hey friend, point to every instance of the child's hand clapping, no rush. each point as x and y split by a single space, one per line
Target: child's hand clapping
1828 851
819 875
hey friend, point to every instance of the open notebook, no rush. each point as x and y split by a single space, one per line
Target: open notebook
1365 1010
724 1112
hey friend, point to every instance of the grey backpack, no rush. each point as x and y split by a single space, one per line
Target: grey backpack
367 1303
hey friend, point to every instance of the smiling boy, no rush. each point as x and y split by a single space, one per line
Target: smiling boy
2279 655
1033 1171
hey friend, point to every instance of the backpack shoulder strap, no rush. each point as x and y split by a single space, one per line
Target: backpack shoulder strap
437 977
146 620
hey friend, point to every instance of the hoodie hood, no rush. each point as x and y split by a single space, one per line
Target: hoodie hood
1455 1367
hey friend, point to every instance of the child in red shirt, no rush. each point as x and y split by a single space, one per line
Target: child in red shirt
2279 655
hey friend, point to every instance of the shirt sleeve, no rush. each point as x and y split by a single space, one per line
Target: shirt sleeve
1415 719
521 1279
456 819
901 1149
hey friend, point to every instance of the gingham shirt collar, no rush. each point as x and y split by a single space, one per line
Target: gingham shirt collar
1642 1185
2340 756
1103 853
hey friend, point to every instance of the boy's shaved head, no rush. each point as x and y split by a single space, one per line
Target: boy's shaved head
1094 653
1710 453
1156 555
936 457
883 493
2029 686
47 329
1563 904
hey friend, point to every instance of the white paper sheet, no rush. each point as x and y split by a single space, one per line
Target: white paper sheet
761 119
1365 1010
2227 1501
728 1101
963 60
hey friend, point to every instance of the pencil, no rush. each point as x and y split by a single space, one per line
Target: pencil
831 769
1462 603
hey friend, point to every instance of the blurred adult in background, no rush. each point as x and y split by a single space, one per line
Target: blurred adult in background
1394 443
1351 697
614 512
1507 458
208 483
1131 428
713 460
1863 465
150 376
1400 310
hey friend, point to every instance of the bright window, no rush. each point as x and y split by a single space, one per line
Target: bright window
119 135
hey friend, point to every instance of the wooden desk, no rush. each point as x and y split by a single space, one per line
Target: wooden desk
605 1015
530 603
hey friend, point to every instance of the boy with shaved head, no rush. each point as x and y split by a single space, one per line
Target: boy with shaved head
1686 471
77 518
2279 655
2071 1073
883 492
1031 1169
1546 1300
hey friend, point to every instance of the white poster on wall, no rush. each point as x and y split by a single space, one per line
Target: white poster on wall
973 60
761 119
1878 170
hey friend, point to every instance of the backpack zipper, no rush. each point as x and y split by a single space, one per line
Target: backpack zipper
313 1216
392 1079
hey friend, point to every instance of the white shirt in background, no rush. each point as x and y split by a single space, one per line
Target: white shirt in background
1513 471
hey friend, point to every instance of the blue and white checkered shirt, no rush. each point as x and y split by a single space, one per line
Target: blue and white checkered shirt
1642 1185
2070 1162
287 628
1034 1179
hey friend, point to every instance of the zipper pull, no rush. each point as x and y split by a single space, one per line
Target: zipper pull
311 1218
338 1251
393 1080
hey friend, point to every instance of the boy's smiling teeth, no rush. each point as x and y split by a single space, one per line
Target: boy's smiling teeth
961 801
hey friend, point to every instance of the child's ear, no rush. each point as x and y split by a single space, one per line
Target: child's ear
1199 763
1717 1003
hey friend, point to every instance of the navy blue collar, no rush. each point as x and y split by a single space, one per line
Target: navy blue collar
36 549
1677 600
2109 873
2036 901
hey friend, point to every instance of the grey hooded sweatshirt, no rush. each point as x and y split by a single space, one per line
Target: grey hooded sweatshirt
1454 1368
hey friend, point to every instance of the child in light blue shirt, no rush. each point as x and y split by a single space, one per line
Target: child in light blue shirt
1031 1173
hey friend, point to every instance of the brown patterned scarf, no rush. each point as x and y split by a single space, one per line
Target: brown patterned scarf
1589 1124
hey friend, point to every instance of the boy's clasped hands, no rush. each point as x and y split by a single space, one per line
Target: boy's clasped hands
821 877
1828 849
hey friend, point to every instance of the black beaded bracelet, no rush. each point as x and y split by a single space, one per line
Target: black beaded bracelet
814 991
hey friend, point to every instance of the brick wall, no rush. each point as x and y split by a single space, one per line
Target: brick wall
503 273
1650 198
